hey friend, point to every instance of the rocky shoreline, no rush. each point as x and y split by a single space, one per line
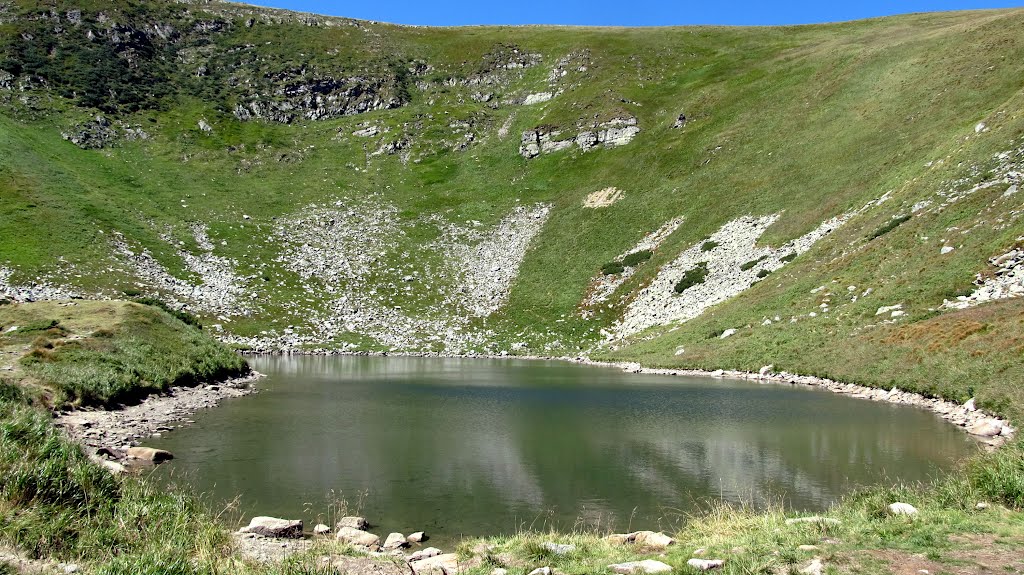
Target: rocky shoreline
109 435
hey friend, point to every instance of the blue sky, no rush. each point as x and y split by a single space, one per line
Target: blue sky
623 12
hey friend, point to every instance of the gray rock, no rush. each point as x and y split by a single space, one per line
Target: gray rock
274 527
815 567
986 428
395 541
902 509
352 521
149 454
705 564
558 548
359 538
417 537
321 529
645 566
425 554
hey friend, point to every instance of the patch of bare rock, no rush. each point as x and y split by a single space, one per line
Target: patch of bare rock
610 134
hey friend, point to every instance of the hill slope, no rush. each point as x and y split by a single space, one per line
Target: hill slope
303 181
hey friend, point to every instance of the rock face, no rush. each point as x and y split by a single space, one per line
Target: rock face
274 527
645 566
359 538
610 134
149 454
319 96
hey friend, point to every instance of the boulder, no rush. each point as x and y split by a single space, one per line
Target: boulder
359 537
705 564
418 537
970 405
149 454
274 527
902 509
446 564
321 529
425 554
652 539
986 428
617 539
645 566
353 522
395 541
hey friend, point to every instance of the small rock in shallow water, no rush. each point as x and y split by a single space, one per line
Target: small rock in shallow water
395 541
321 529
149 454
425 554
359 537
353 522
418 537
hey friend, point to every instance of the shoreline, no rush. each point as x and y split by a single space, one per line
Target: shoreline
990 430
110 432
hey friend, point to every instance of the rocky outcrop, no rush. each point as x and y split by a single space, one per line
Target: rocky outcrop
36 290
102 133
1006 281
546 140
319 97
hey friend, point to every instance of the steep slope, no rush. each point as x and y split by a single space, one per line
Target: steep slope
304 181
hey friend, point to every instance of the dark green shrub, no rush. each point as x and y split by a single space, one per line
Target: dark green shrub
749 265
132 293
763 273
709 245
788 258
612 268
889 226
636 258
695 276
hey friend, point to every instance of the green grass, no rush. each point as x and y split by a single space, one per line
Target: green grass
103 353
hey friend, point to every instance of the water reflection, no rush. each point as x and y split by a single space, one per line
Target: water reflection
481 447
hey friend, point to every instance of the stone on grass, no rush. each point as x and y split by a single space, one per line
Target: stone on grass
986 428
353 522
149 454
321 529
418 537
274 527
425 554
705 564
499 571
815 567
558 548
395 541
807 548
813 519
981 506
902 509
652 539
359 537
447 564
645 566
541 571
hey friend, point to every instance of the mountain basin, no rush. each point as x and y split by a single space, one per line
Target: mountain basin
474 447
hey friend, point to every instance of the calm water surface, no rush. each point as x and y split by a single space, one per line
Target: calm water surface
480 447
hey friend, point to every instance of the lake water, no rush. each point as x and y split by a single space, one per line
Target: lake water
481 447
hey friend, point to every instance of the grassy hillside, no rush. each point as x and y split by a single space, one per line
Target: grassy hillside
301 181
